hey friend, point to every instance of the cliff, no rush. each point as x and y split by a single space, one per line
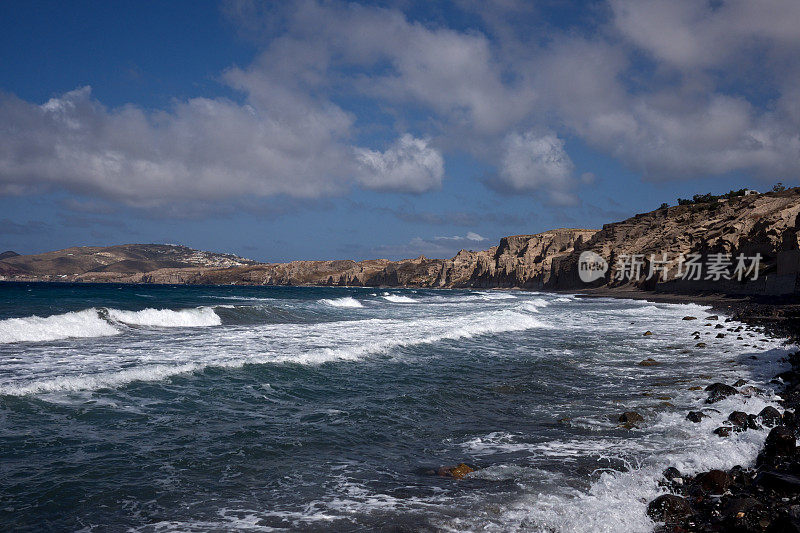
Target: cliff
766 224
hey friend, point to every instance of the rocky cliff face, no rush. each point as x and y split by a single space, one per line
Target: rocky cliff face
766 224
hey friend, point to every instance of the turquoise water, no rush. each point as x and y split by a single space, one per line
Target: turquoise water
161 408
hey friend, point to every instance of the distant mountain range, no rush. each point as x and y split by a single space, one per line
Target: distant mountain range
765 224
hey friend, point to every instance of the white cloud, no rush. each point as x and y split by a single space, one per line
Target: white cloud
201 149
471 236
717 94
532 163
409 165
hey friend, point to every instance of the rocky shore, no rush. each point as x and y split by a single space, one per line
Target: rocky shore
765 498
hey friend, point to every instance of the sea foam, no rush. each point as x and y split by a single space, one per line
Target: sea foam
397 298
167 318
347 301
86 323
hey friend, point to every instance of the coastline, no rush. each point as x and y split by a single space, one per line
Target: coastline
761 498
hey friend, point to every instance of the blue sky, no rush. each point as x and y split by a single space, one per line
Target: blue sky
320 130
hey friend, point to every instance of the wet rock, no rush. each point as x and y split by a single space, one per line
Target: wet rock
770 416
672 473
739 420
669 508
631 419
673 479
745 514
648 362
723 431
695 416
719 391
778 481
720 335
714 481
647 333
719 326
784 524
700 345
780 442
455 471
712 317
739 383
690 318
753 422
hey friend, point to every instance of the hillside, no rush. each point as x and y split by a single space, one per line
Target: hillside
766 224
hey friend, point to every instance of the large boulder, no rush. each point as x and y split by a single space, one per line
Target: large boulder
719 391
770 416
714 481
669 508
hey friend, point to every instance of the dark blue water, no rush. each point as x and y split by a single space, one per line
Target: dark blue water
159 408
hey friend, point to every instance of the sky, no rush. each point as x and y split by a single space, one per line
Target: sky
330 130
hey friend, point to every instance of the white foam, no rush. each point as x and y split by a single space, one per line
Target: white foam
534 304
167 318
397 298
306 344
86 323
497 296
347 301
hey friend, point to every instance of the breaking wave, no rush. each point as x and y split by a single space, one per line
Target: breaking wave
86 323
167 318
347 301
397 298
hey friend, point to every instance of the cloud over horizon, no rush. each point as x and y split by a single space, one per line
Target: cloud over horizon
673 91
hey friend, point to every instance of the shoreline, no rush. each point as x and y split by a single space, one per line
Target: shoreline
765 497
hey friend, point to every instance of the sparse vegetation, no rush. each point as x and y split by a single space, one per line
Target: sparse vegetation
708 197
665 205
779 187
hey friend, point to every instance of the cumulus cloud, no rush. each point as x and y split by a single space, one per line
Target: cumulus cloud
536 163
409 165
204 149
471 236
673 90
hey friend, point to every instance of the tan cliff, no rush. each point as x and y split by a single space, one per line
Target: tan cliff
766 224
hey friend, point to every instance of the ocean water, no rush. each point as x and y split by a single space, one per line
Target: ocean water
174 408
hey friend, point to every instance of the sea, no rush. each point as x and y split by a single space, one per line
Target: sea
228 408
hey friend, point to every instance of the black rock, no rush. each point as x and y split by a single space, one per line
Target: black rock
712 317
669 508
631 418
719 391
778 481
739 420
690 318
695 416
770 416
780 442
739 383
723 431
672 473
714 481
745 514
784 524
719 326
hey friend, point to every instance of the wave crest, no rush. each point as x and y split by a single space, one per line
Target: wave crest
347 301
167 318
86 323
